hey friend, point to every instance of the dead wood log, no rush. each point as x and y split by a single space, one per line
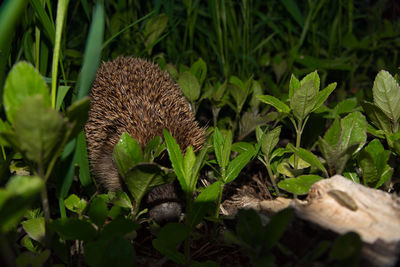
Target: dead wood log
342 206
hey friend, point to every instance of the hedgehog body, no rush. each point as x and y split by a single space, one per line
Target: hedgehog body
133 95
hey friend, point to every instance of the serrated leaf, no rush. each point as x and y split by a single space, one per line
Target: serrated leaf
354 130
300 185
323 95
127 152
270 140
23 81
35 228
190 86
294 84
275 102
175 155
222 147
368 168
313 77
39 130
236 165
332 136
377 116
142 178
308 157
303 100
386 93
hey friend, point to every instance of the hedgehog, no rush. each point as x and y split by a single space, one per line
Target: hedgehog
135 96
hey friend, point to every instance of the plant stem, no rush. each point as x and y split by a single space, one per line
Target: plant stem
299 131
221 189
46 211
271 176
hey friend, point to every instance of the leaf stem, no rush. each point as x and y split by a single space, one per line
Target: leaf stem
271 176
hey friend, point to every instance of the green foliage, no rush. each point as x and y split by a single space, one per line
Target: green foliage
300 185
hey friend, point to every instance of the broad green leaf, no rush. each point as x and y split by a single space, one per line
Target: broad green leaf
114 252
286 169
98 211
39 129
23 81
33 259
352 176
303 100
142 178
257 90
81 158
344 156
73 229
346 246
279 152
222 147
386 93
270 140
153 149
75 204
199 69
35 228
301 164
354 130
249 227
175 155
368 168
236 165
323 95
379 154
300 185
203 203
332 136
314 77
346 106
385 176
276 227
275 102
168 238
377 116
120 199
119 227
5 129
239 90
308 157
294 84
190 86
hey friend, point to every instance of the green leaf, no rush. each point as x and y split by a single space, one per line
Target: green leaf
61 93
23 81
33 259
346 246
40 130
120 199
190 86
377 116
203 203
81 158
386 93
222 147
154 27
275 102
175 155
153 149
332 136
142 178
35 228
73 229
167 240
91 59
239 91
98 211
294 11
118 227
127 152
199 69
368 168
44 19
276 227
189 161
323 95
75 204
300 185
294 84
114 252
236 165
303 100
313 77
354 130
352 176
15 198
308 157
270 140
